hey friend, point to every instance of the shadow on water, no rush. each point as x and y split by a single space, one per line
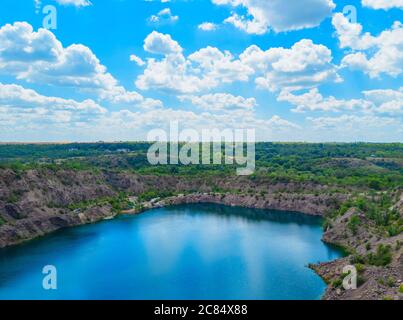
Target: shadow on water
247 214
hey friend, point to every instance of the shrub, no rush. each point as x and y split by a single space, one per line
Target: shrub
375 184
154 194
360 267
337 283
353 224
357 259
390 281
382 256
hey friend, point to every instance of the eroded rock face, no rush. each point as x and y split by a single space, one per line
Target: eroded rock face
308 204
375 282
45 222
36 202
14 212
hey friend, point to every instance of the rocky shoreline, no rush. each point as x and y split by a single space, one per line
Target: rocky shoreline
290 203
374 282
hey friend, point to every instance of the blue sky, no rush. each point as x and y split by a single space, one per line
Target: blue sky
115 69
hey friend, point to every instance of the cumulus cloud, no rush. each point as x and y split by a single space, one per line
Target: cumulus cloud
207 26
161 44
221 102
12 95
201 70
140 62
350 127
25 108
198 121
279 15
383 4
38 57
304 65
353 123
26 113
375 55
164 16
385 101
314 101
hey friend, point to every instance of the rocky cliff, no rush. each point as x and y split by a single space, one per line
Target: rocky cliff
36 202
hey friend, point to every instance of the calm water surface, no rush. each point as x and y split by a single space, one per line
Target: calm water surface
198 251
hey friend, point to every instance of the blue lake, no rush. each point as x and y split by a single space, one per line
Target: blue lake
200 251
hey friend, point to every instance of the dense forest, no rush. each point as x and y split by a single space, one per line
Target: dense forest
370 165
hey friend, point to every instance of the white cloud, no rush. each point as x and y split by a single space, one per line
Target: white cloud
26 109
201 70
220 65
279 15
12 95
140 62
221 102
384 95
352 123
164 16
314 101
123 98
161 44
376 55
76 3
152 119
383 4
370 128
350 34
38 57
304 65
207 26
385 101
30 115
